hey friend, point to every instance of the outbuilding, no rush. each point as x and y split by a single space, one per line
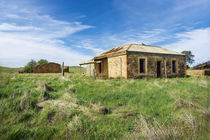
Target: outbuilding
47 68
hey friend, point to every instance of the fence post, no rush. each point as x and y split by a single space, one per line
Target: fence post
62 72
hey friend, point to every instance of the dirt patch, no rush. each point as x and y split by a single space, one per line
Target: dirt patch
50 116
45 87
48 88
72 89
187 104
105 110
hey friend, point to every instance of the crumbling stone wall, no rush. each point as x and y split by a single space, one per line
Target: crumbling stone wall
48 68
117 66
151 66
66 68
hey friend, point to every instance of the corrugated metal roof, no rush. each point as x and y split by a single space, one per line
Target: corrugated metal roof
151 49
139 48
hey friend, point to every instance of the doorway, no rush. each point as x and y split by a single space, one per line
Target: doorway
159 69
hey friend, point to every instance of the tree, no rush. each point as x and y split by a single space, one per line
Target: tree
42 61
189 57
29 67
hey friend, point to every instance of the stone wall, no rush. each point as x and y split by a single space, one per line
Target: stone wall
89 69
195 72
117 66
48 68
151 65
66 68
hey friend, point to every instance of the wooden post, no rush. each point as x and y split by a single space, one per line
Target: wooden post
62 72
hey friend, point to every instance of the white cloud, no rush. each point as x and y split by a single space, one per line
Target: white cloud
26 34
13 16
16 52
10 27
135 36
187 4
89 45
198 41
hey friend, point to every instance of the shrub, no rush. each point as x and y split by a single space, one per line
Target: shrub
29 67
42 61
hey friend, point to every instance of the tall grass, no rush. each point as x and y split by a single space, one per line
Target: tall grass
175 108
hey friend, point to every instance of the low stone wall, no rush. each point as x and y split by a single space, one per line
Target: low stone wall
48 68
66 68
195 72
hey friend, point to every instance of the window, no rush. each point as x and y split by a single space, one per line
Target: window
173 66
142 65
100 67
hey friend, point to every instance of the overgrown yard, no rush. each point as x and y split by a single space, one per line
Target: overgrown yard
47 106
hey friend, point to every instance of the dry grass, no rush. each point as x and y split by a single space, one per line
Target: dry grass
150 128
184 103
66 102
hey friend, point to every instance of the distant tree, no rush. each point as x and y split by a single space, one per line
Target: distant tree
42 61
29 67
189 57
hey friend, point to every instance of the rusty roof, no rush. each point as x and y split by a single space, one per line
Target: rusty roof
112 50
137 48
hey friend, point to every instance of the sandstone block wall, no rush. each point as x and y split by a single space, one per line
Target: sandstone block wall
89 69
195 72
117 66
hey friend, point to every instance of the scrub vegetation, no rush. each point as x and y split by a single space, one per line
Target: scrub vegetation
47 106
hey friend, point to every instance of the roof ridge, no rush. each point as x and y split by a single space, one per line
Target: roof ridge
129 47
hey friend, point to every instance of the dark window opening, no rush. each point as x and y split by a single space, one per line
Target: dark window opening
159 69
142 65
100 67
174 66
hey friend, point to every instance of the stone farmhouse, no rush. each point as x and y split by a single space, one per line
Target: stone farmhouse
136 61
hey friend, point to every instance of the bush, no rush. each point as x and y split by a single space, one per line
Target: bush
29 67
42 61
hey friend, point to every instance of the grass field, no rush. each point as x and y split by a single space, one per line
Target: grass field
47 106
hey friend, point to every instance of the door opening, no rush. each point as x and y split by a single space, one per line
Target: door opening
159 69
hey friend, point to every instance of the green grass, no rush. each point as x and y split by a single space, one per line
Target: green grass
9 70
76 69
176 108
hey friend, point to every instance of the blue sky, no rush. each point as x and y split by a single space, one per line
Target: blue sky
76 30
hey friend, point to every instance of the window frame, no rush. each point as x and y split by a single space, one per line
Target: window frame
176 66
100 67
145 65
